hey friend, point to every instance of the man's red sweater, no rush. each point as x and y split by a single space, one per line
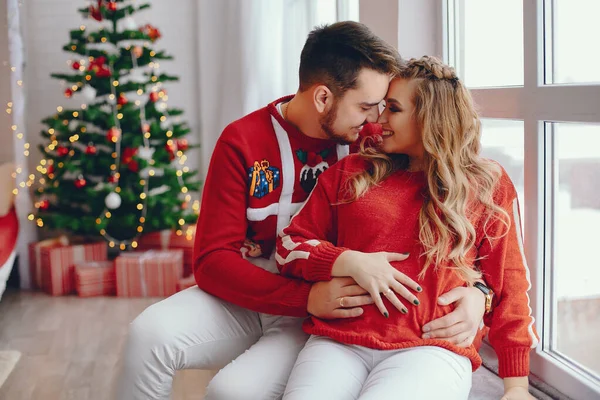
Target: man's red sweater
386 218
262 170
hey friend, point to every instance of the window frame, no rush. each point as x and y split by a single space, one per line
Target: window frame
539 105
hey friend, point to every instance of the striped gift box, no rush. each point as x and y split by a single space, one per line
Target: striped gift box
58 277
95 278
152 273
168 239
35 258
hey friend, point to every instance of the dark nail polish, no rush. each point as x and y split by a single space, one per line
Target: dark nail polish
405 254
416 302
404 311
385 315
419 289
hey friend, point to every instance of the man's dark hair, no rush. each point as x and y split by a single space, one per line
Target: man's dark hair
334 55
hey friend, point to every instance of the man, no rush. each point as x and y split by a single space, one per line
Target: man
262 170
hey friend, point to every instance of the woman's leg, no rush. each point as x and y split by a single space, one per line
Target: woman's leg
327 370
424 373
190 329
262 371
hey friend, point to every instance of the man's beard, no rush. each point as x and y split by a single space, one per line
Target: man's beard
327 122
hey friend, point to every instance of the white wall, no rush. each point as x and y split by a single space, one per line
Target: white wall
411 26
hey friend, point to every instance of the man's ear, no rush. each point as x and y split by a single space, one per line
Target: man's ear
322 98
7 184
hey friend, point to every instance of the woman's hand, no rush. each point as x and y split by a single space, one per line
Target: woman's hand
374 273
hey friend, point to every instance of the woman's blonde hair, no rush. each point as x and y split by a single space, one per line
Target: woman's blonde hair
456 174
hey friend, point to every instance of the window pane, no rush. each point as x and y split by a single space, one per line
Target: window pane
492 43
502 141
572 32
576 224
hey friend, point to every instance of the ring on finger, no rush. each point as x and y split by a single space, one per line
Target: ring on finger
342 302
388 292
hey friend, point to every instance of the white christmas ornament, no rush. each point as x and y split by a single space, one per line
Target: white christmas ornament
161 106
73 124
89 93
129 24
146 153
166 124
113 201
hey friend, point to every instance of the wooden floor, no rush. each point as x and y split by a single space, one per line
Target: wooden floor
70 347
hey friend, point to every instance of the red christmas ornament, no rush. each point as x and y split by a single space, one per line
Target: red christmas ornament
113 134
113 178
62 151
91 150
145 128
133 166
44 205
75 65
185 205
171 150
151 32
50 169
122 100
182 144
97 65
96 12
80 182
68 93
153 97
112 6
127 155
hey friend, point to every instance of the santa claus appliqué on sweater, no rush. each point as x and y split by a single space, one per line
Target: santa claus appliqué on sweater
314 165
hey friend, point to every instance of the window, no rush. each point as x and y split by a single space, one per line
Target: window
572 33
530 66
575 192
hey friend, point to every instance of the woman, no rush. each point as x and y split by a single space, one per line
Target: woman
424 190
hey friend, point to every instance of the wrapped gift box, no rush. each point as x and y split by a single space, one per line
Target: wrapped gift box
168 239
263 179
35 258
186 282
57 265
152 273
95 278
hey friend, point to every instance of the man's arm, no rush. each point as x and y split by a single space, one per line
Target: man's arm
221 229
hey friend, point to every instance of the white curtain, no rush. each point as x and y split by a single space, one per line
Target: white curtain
249 54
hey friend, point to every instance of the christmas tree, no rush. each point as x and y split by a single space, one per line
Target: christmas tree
115 165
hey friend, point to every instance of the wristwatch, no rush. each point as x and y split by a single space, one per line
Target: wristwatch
489 295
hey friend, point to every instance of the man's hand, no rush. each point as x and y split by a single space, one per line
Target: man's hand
461 325
338 298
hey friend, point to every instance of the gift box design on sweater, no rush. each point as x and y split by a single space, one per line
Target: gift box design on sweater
262 179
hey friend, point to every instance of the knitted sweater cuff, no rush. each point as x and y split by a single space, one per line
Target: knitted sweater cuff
513 362
321 261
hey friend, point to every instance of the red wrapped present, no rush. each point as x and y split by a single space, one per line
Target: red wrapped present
58 277
95 278
168 239
151 273
35 258
186 282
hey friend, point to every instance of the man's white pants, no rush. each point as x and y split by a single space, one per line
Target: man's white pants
329 370
193 329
